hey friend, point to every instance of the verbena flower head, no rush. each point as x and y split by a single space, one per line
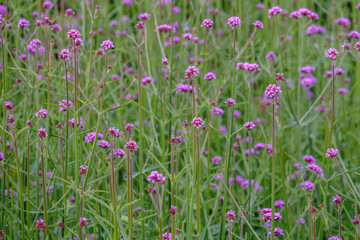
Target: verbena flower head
107 44
271 91
144 16
83 169
337 199
343 91
354 34
233 21
357 46
131 146
2 157
331 53
271 56
343 21
64 104
267 216
198 122
41 113
140 25
156 177
167 236
207 23
9 105
73 33
164 28
335 238
35 43
210 76
230 102
184 88
279 204
104 144
230 216
218 111
317 169
309 158
65 54
91 137
216 160
307 185
42 133
173 210
258 24
356 221
190 72
277 231
80 122
83 222
40 224
117 152
47 5
249 125
332 153
23 23
274 11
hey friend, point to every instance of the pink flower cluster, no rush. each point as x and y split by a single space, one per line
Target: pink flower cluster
156 177
274 11
131 146
271 91
184 88
107 44
91 137
332 153
207 23
315 29
250 67
190 72
307 185
304 12
249 125
198 122
230 216
331 53
233 21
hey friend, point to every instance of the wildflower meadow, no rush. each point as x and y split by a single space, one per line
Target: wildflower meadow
180 119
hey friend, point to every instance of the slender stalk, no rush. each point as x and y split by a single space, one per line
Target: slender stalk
198 214
43 181
19 175
333 101
129 194
172 189
340 233
273 172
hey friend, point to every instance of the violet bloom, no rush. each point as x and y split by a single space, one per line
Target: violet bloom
173 210
73 33
198 122
216 160
131 146
337 199
107 44
314 29
164 28
65 54
274 11
357 46
80 122
309 158
258 24
334 238
166 236
210 76
9 105
156 177
41 113
271 56
117 152
104 144
83 222
23 23
190 72
307 185
332 153
233 21
271 91
144 16
140 25
230 216
316 169
207 23
91 137
277 231
42 133
343 21
354 34
343 91
230 102
218 111
40 224
47 5
249 125
279 204
184 88
146 80
64 104
2 157
331 53
83 170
